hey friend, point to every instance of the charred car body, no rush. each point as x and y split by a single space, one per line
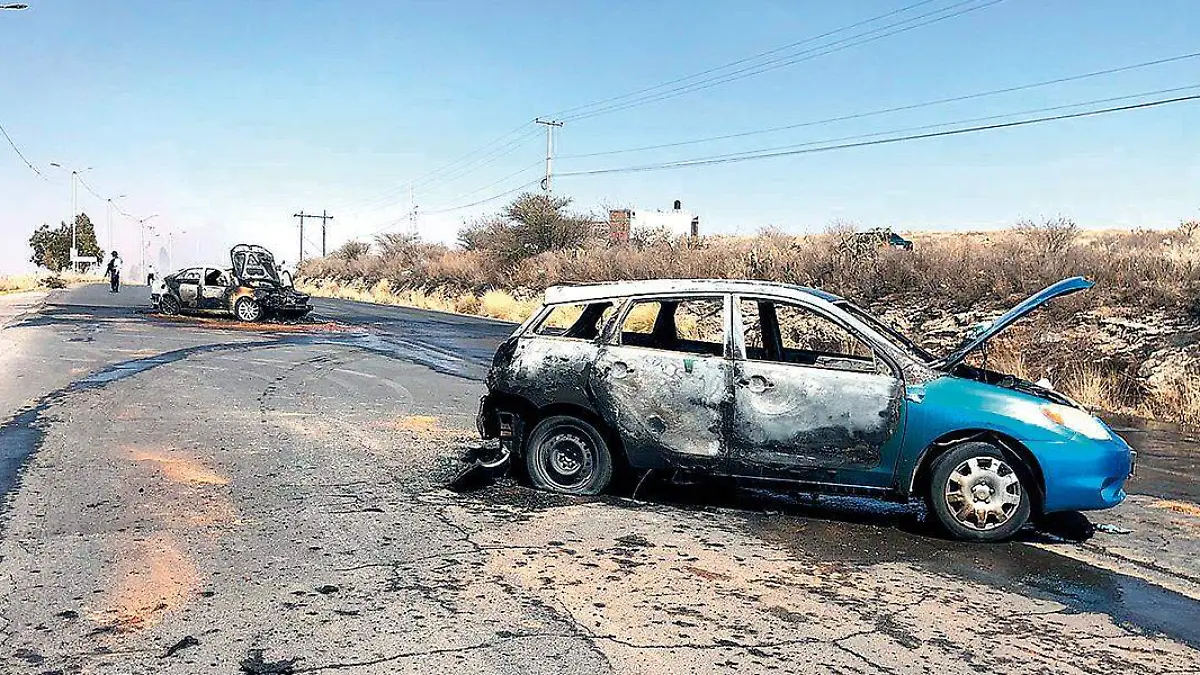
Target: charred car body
796 386
250 290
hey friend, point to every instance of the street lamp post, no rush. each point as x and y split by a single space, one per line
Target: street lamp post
110 225
74 208
142 234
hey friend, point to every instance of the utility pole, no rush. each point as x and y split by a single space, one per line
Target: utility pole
550 125
323 217
412 212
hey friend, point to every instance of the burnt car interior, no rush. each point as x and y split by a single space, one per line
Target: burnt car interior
697 329
215 278
787 333
563 322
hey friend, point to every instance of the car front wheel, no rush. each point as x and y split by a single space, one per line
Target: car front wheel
978 493
248 310
168 304
568 455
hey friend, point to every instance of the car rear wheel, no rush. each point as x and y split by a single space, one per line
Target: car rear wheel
568 455
169 304
248 310
978 493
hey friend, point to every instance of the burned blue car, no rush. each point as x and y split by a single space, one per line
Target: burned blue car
796 387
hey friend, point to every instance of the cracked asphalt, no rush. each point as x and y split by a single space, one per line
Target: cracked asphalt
196 497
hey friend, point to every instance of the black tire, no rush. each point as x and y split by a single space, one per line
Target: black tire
248 310
568 455
169 304
978 493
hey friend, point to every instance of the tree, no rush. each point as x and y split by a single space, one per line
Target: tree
352 250
52 247
532 224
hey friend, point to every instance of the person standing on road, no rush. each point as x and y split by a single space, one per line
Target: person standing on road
151 275
113 272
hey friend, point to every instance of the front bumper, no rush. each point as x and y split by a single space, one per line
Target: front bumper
1083 474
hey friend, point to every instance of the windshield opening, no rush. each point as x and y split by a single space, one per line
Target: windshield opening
895 336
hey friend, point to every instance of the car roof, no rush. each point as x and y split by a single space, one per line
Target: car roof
575 293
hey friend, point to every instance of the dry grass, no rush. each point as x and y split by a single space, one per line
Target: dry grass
20 283
496 304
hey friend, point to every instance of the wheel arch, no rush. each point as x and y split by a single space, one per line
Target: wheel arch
919 481
530 414
613 439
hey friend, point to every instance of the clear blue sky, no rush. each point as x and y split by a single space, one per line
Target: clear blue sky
227 117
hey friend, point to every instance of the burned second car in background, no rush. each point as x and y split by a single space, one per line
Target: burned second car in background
794 386
250 290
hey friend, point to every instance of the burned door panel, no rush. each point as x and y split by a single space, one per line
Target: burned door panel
811 400
189 292
788 418
667 407
546 371
213 290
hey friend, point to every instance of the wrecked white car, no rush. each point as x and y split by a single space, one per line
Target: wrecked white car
795 386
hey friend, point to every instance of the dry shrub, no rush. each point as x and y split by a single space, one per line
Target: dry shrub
502 305
1176 399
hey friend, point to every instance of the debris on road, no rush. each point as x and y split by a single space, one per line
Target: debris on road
1109 528
184 643
485 463
255 664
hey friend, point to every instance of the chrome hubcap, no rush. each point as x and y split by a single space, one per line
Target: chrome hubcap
248 313
983 493
568 460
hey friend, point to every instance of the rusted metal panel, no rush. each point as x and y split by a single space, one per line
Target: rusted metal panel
668 407
547 370
793 417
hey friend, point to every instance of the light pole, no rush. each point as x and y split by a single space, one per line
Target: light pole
171 244
74 208
110 225
142 234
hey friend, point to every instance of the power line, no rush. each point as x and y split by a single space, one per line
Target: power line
468 159
725 66
884 111
394 196
971 120
20 154
805 55
703 161
488 199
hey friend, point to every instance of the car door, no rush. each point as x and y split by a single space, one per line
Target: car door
213 290
189 288
812 401
662 381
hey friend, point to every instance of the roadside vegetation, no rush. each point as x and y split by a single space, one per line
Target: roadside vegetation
20 283
1131 344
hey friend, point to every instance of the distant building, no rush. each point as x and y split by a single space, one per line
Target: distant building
622 223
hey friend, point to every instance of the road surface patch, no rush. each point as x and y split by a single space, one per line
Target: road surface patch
152 577
181 469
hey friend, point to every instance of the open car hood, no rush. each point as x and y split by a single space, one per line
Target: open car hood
251 262
982 334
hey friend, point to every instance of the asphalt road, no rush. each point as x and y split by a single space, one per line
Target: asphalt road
186 496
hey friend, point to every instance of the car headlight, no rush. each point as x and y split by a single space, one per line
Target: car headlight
1076 420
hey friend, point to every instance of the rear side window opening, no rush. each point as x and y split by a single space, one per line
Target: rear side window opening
577 321
692 326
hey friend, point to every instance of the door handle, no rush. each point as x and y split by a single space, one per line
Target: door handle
619 369
756 383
